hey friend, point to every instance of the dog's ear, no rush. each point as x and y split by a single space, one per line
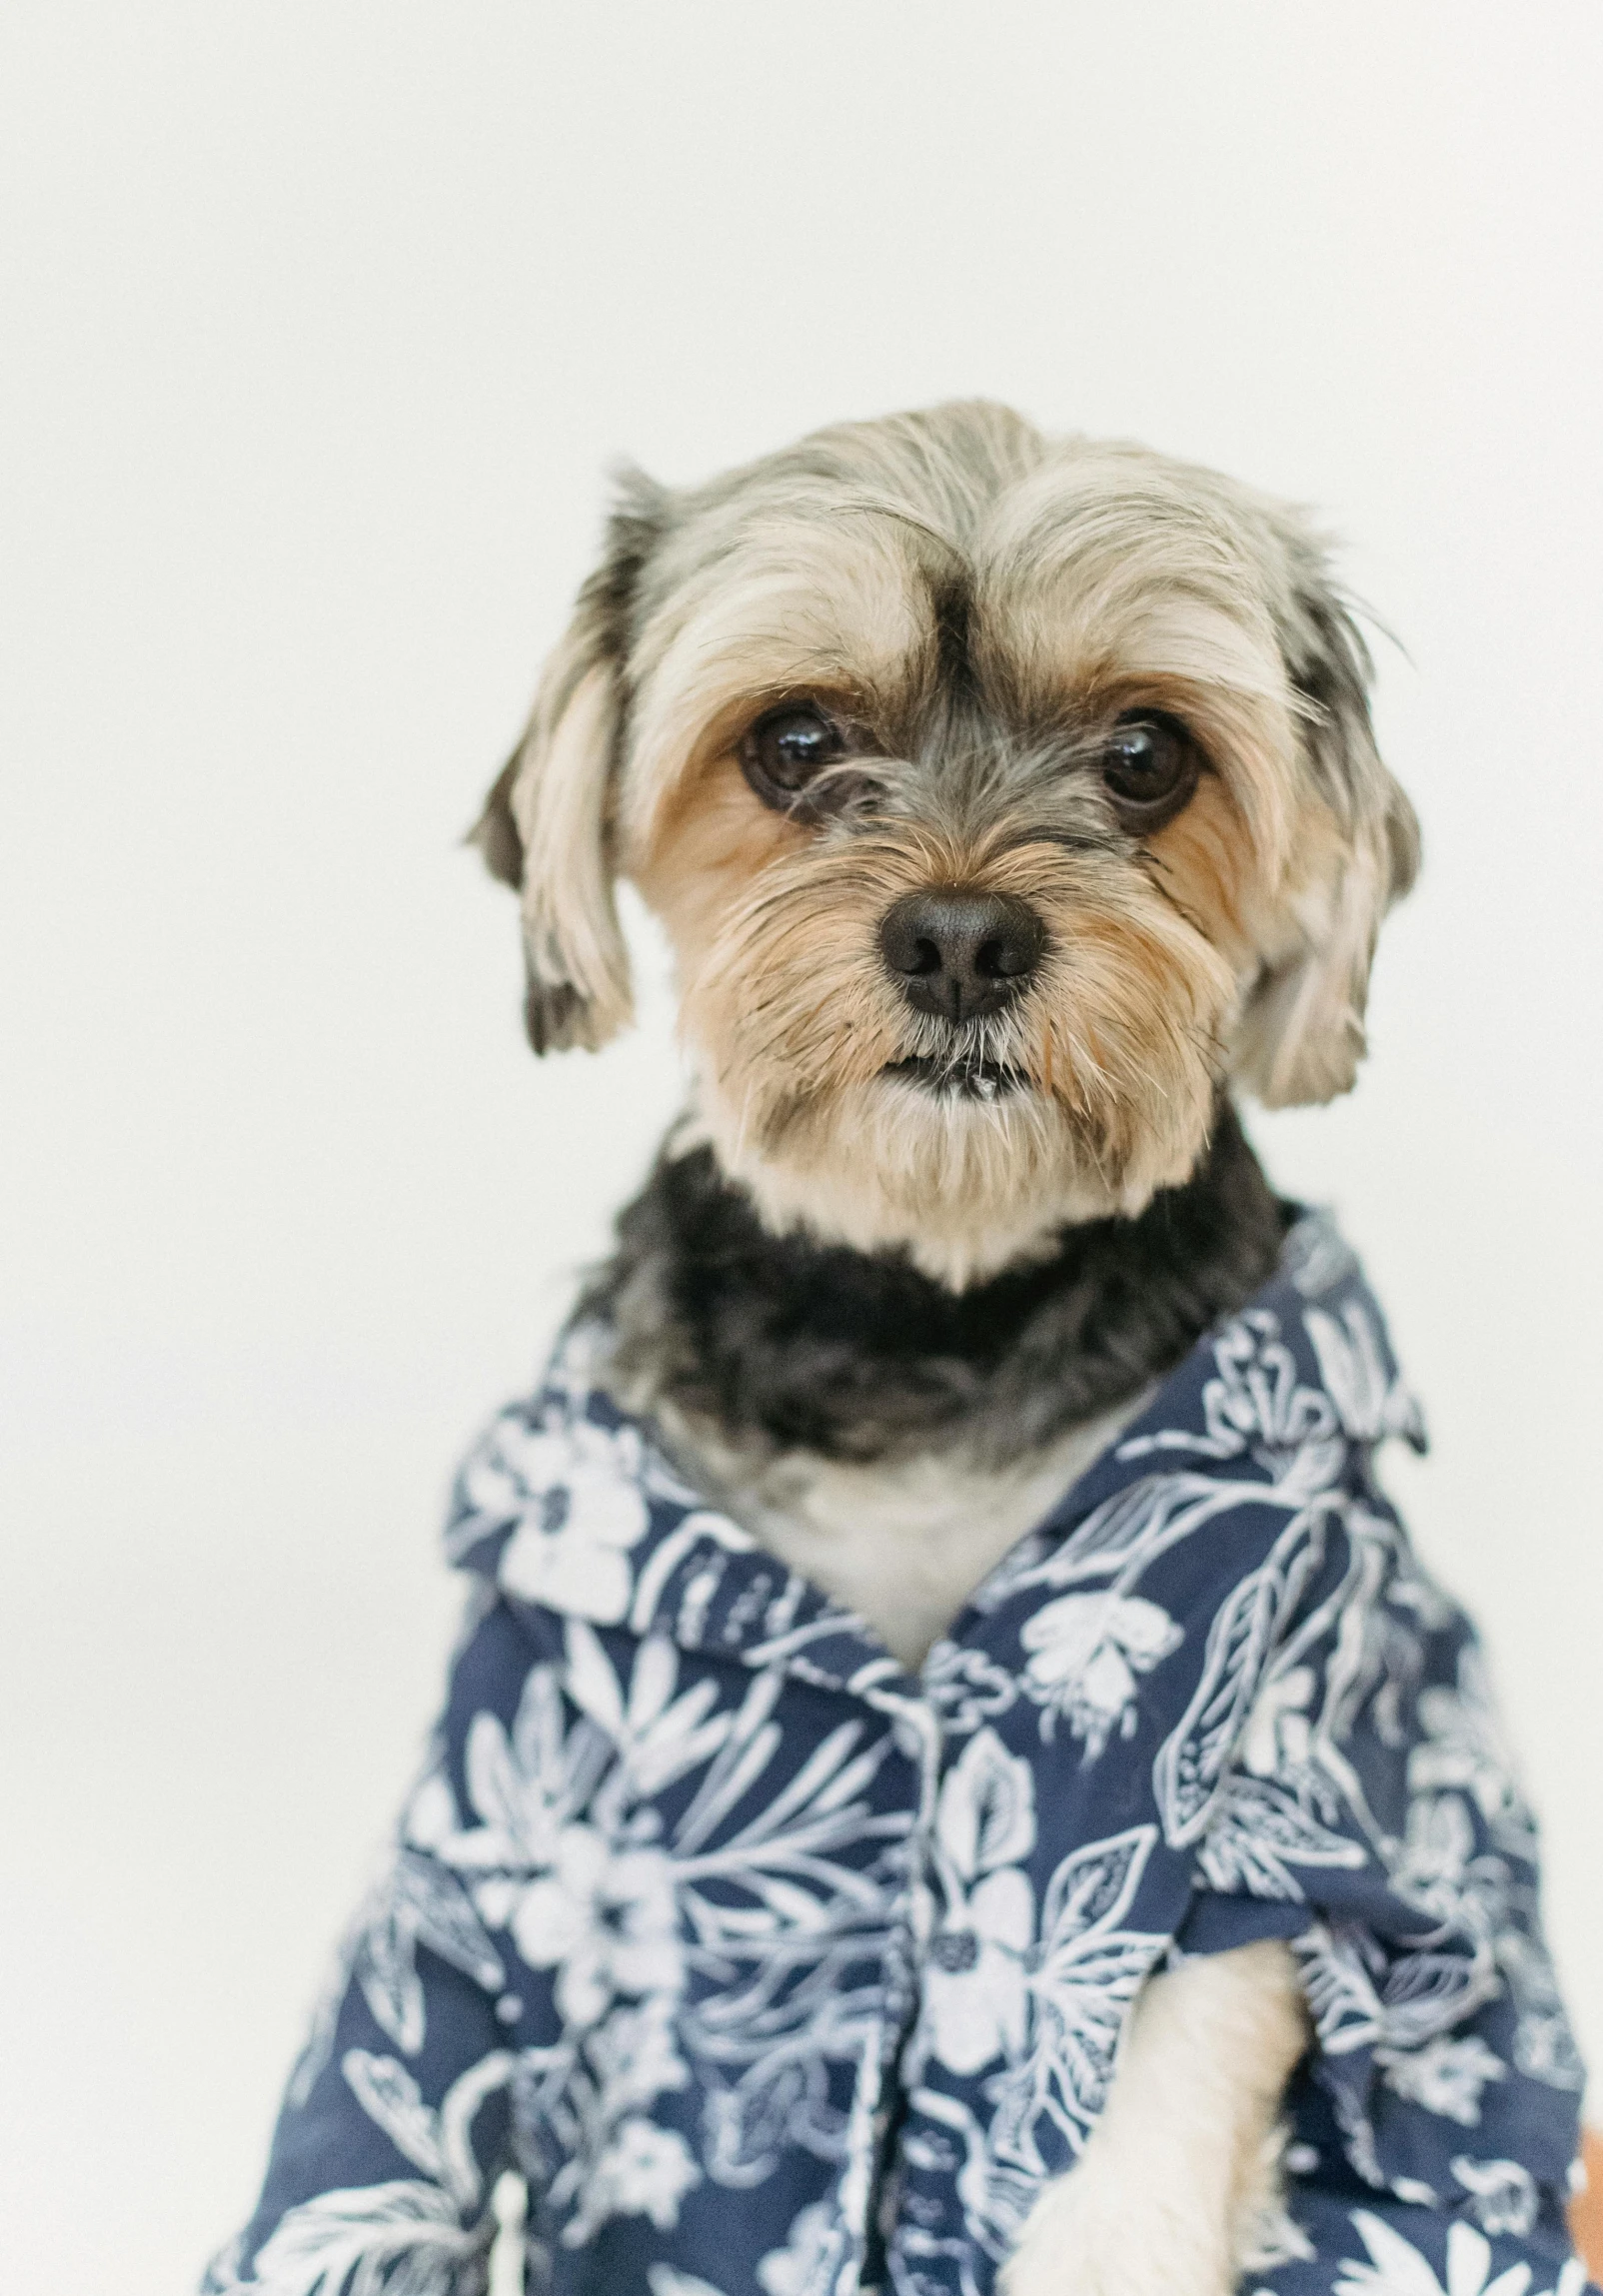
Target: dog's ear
1301 1036
547 825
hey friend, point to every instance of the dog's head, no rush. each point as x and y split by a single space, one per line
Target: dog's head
1002 799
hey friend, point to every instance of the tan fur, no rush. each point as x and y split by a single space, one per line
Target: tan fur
792 1021
790 610
1238 941
1103 577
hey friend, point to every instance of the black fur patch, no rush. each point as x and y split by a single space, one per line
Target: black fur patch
858 1356
952 604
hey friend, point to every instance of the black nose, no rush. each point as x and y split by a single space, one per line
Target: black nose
960 954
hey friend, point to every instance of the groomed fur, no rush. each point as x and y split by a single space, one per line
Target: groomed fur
980 603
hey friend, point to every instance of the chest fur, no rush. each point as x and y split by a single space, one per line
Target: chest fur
901 1543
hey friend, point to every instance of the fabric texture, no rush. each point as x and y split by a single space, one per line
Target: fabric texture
772 1968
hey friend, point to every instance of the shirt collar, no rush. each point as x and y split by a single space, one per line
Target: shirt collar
572 1504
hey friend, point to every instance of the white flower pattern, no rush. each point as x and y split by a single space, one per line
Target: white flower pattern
579 1511
1445 2076
975 1973
604 1918
1397 2268
701 1895
1086 1653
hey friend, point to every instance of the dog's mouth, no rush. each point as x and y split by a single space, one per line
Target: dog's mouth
962 1078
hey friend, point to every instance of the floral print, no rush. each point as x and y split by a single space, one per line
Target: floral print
1396 2268
1445 2076
605 1919
769 1967
1085 1654
576 1510
975 1991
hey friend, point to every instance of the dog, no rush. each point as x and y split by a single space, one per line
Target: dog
1005 803
1011 805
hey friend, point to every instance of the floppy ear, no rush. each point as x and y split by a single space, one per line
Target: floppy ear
547 825
1355 849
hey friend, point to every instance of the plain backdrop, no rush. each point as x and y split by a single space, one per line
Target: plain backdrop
323 320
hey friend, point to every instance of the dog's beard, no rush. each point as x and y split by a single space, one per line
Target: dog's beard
842 1112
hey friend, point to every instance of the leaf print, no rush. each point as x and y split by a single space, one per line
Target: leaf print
1088 1972
652 1684
1258 1832
1122 1537
397 2239
522 1786
1360 1998
590 1681
423 1903
729 1852
1132 1519
1397 2268
753 1739
1341 1963
1095 1887
437 2142
660 1737
1464 1746
1189 1768
1372 1402
987 1812
389 2095
1426 1994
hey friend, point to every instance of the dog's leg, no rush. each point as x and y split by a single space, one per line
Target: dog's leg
1179 2170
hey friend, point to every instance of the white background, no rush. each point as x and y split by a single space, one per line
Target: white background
322 323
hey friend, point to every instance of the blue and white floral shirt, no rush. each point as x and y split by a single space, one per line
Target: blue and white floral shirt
775 1969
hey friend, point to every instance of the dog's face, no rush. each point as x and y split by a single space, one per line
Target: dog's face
1003 798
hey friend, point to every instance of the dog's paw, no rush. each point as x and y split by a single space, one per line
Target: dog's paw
1093 2233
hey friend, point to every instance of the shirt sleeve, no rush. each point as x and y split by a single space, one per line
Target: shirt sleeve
397 2118
1370 1814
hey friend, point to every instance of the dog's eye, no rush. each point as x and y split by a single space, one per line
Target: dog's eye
787 749
1149 767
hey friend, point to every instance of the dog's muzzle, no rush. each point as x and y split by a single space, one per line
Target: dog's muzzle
958 955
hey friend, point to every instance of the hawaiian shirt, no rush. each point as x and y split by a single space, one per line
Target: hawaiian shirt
770 1967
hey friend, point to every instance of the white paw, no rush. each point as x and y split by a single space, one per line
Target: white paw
1097 2234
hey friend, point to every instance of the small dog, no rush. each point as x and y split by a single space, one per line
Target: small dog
1010 804
1006 803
